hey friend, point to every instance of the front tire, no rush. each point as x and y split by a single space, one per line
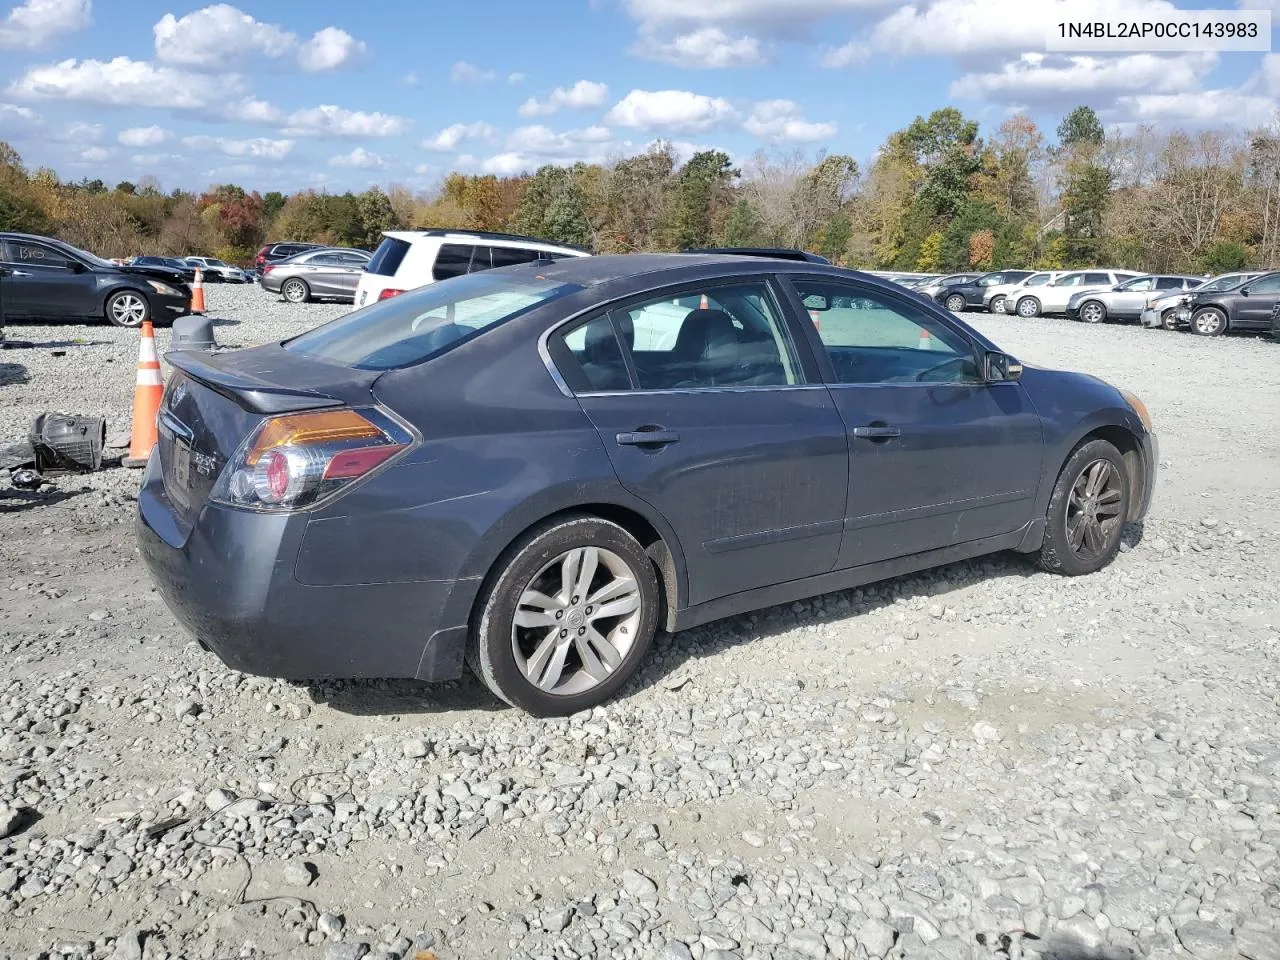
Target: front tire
127 308
567 618
1028 307
996 305
1092 311
296 291
1169 320
955 303
1209 322
1086 512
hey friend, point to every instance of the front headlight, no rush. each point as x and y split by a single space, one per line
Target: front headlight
163 289
1139 408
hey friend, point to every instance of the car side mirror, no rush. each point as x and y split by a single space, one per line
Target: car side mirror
1000 367
1244 291
816 301
78 267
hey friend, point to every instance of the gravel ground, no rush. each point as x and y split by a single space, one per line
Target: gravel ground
981 761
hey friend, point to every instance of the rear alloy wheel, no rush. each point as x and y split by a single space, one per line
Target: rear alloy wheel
1091 311
1086 512
956 303
1028 307
1209 322
296 291
127 308
996 305
568 618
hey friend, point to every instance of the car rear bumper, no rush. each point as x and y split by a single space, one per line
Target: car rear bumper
270 282
229 579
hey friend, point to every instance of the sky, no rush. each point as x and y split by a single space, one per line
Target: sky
338 95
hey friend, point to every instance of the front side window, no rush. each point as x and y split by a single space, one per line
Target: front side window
1071 280
1038 279
1141 285
874 339
415 326
1269 284
453 260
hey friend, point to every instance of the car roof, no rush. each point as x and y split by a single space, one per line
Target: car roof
482 237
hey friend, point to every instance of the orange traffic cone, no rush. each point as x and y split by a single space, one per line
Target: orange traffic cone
197 292
704 304
926 340
817 321
146 400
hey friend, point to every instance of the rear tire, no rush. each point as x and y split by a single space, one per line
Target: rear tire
296 291
1209 322
127 308
1028 307
1087 511
539 642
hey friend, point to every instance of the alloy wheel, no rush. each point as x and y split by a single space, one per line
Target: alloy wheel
1208 323
576 621
1028 307
955 303
1092 312
1094 510
997 305
295 291
128 310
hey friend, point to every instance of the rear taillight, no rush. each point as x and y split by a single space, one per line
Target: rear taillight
299 459
388 293
268 268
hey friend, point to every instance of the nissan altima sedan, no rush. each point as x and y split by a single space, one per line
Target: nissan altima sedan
533 469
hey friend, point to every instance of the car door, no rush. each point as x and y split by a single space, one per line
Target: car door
709 416
1253 307
1128 299
321 271
937 455
350 268
47 283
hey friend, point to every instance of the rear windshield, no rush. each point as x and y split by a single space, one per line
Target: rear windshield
388 257
415 326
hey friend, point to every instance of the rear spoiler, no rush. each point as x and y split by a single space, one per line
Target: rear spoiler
256 396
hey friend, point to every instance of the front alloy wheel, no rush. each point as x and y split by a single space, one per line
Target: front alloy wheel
568 617
1209 322
1093 312
997 305
1028 307
127 309
1087 511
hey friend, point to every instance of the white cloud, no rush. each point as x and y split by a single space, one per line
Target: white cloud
156 159
463 72
16 119
582 95
410 79
123 82
334 121
447 140
36 22
218 36
329 49
253 110
262 148
1041 78
143 136
1272 5
783 121
81 132
517 77
530 147
1205 108
93 155
1267 79
359 158
507 164
423 169
709 48
677 110
658 12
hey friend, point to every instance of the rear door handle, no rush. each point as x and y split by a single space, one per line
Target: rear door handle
876 432
646 438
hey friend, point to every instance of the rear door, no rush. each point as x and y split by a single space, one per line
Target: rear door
1131 297
937 456
46 283
322 271
709 415
1254 311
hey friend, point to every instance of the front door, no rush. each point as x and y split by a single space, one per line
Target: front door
937 456
1254 311
704 409
44 282
1128 299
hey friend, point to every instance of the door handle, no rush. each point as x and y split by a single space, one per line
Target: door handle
647 437
876 432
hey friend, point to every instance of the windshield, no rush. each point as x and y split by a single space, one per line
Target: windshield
413 327
91 258
1224 282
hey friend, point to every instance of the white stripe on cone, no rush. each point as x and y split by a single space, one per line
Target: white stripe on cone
147 351
149 377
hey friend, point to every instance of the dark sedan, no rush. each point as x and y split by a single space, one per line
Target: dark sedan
970 294
1246 307
186 270
49 279
532 469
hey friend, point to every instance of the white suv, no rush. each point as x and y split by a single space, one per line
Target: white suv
412 258
1052 297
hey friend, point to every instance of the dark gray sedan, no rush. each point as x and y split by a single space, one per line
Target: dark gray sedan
532 469
330 273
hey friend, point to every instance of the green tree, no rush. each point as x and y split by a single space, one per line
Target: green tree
376 216
1225 256
946 145
702 191
742 229
1081 127
834 239
554 208
929 259
272 203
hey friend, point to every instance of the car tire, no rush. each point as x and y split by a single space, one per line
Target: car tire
1028 307
296 291
509 656
1086 516
996 305
1169 320
1093 311
127 308
956 303
1209 322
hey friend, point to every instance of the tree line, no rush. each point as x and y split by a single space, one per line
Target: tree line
936 197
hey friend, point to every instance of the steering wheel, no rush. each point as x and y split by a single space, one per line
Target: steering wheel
958 362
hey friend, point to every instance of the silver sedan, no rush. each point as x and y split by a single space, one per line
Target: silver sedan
330 273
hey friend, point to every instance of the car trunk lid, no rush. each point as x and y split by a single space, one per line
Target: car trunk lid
214 401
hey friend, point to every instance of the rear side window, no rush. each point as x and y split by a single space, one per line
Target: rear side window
1097 278
388 257
598 363
453 260
511 256
36 254
1170 283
